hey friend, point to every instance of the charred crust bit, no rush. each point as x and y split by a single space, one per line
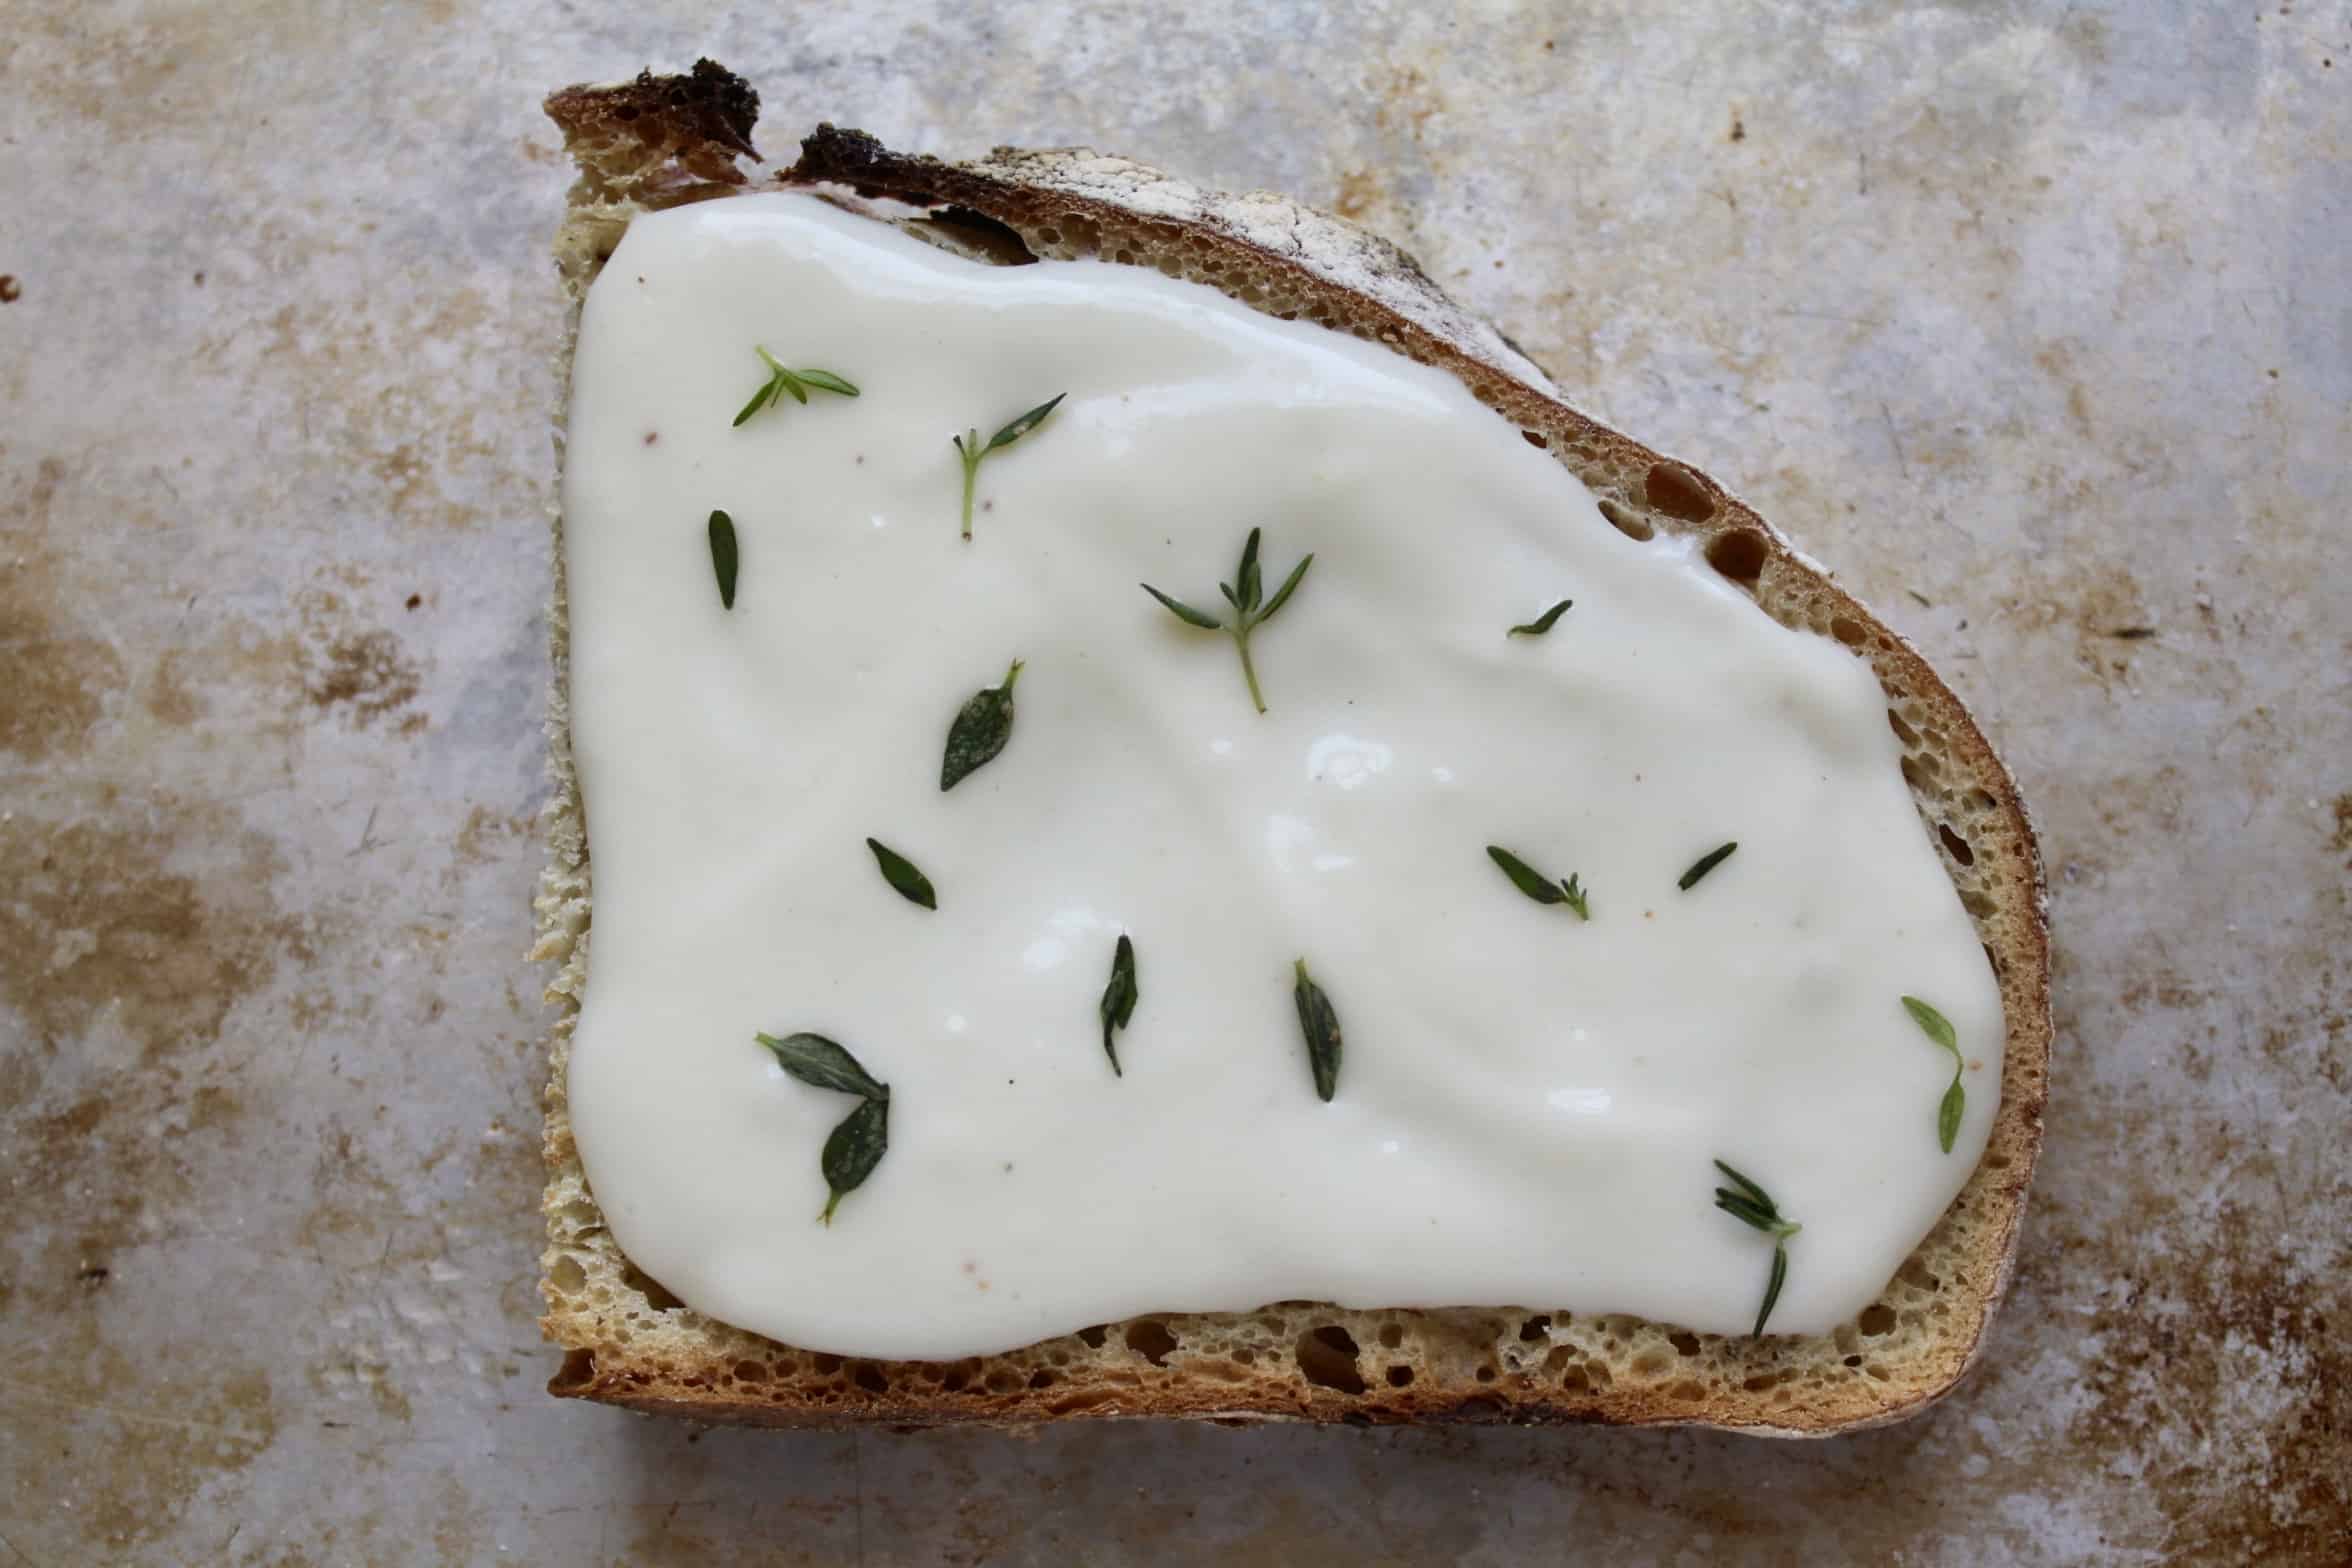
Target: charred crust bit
832 153
11 291
622 134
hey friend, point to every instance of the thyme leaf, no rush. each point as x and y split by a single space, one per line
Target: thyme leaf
1954 1104
1119 998
971 449
723 556
1250 609
981 727
901 874
1704 864
1543 622
1751 1205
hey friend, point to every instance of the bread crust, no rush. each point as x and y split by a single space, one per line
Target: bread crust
660 141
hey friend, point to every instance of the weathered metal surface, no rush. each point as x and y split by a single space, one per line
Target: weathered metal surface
2033 320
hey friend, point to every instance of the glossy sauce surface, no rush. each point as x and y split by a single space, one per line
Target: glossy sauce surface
1529 1102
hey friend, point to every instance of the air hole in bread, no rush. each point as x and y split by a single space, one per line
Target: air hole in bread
1486 1374
1535 438
1095 1336
567 1275
977 232
1003 1380
1848 631
1652 1362
1534 1329
1903 731
1392 1335
1676 491
1151 1340
650 1288
1876 1319
578 1371
1956 844
1627 521
1738 553
825 1363
1980 906
1042 1379
1685 1344
1327 1359
1400 1377
1915 775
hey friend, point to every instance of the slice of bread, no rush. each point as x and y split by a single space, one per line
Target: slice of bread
661 141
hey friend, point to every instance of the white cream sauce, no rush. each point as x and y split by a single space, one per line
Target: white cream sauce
1529 1103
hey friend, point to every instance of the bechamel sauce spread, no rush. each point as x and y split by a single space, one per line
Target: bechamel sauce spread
1530 1102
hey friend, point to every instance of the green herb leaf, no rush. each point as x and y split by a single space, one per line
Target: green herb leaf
1742 1208
1543 622
981 728
1751 1205
1185 612
723 558
1539 887
853 1149
968 447
797 382
1246 576
1748 1189
1320 1025
1939 1029
826 381
821 1064
760 399
1934 1024
1525 877
1245 594
901 874
1283 593
1772 1286
1704 864
1119 998
1026 423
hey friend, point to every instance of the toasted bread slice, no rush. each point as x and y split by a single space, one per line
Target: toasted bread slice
661 141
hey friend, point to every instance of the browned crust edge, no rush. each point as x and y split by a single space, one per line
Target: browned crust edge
704 119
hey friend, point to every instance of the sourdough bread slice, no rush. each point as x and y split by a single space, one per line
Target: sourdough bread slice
662 141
